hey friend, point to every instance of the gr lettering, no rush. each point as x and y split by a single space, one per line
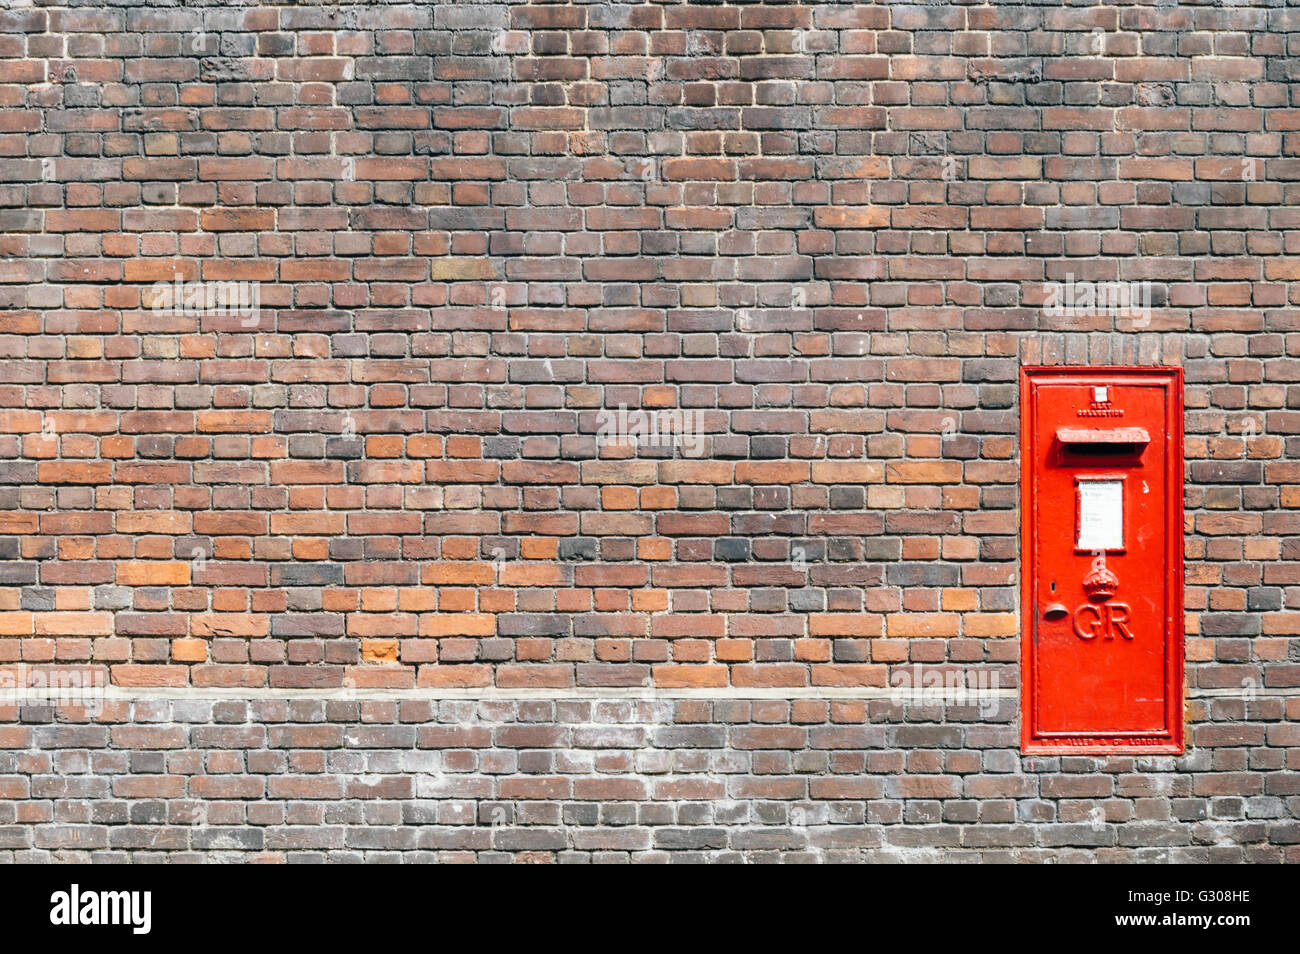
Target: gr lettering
1105 621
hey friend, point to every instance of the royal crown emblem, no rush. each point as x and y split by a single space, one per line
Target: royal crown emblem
1100 583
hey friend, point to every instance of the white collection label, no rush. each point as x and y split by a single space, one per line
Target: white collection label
1101 515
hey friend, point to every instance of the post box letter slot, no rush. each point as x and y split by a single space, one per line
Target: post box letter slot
1130 436
1084 445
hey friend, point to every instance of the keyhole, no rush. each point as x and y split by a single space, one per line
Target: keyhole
1053 586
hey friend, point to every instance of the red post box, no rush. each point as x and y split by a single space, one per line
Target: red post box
1101 523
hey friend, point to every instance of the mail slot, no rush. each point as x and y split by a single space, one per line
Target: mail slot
1101 493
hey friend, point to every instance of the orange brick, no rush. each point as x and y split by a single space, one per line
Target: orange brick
234 422
457 624
658 498
458 574
417 599
534 677
154 521
76 548
15 624
375 600
455 676
922 625
618 498
654 549
923 472
669 676
848 472
769 675
990 625
378 676
17 522
153 574
149 674
517 574
844 624
695 472
216 625
771 472
379 650
957 600
311 549
72 624
468 447
649 601
189 650
384 445
74 472
734 650
539 548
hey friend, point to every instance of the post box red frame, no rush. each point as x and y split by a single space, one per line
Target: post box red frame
1032 740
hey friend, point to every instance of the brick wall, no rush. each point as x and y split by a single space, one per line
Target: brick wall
347 536
644 780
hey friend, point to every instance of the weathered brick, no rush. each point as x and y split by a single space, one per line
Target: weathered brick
552 349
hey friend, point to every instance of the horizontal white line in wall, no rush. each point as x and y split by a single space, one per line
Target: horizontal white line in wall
830 693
